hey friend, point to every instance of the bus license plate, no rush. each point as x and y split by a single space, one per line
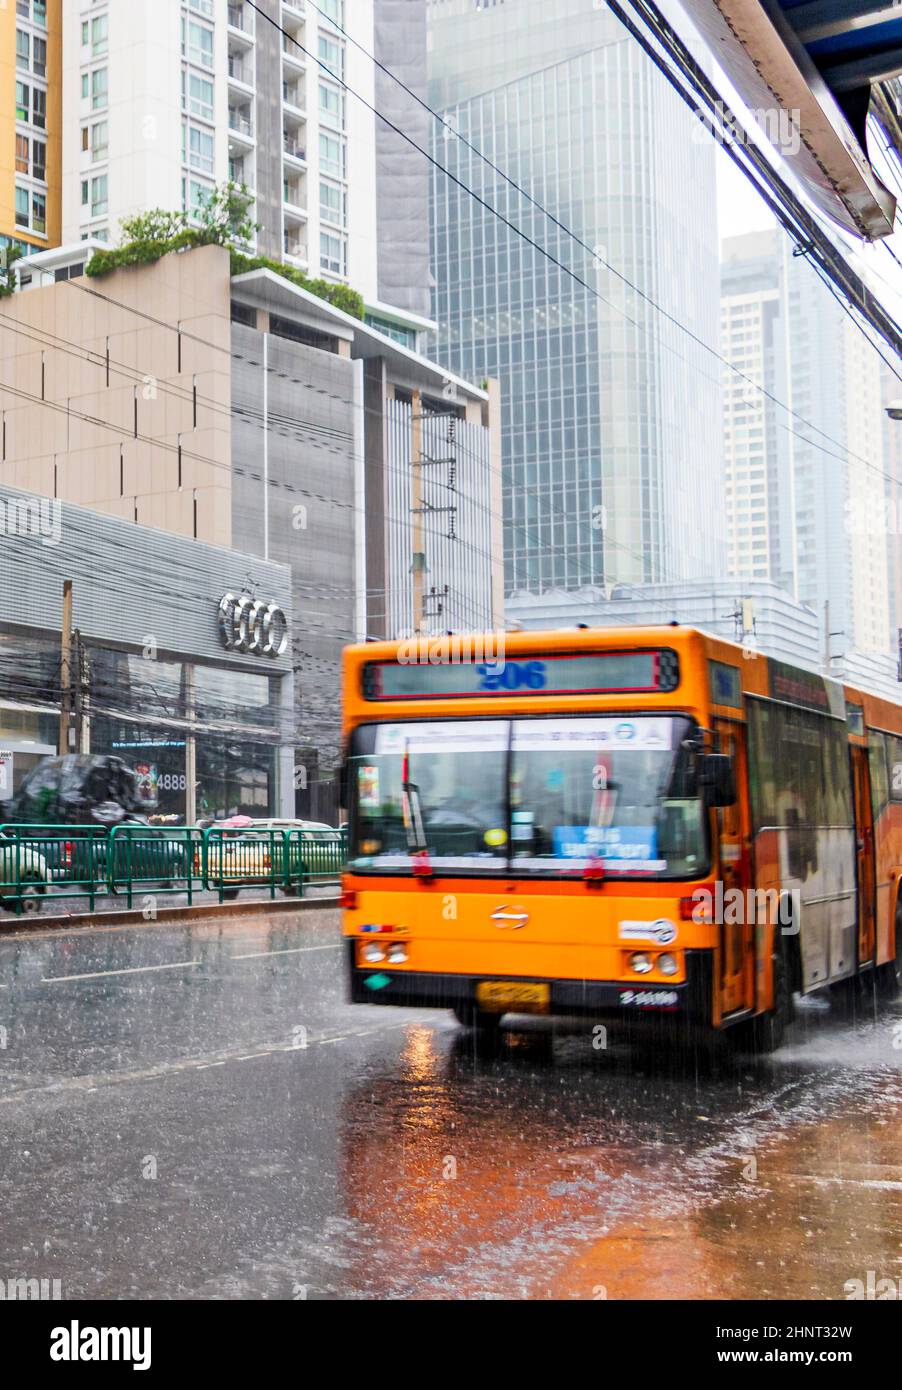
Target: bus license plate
512 996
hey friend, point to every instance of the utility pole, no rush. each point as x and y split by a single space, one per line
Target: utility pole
190 748
65 667
418 530
82 719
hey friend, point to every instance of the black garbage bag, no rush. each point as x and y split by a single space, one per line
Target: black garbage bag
79 789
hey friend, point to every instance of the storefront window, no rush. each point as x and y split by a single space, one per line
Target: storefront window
156 754
137 685
242 696
235 777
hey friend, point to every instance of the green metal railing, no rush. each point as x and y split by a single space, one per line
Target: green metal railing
69 861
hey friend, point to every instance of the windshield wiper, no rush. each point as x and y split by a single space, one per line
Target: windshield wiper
413 822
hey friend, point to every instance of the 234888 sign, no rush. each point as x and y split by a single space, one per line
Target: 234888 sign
247 624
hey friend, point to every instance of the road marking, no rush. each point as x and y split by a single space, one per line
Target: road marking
100 1081
131 970
878 1184
287 951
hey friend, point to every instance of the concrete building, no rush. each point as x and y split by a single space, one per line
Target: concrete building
806 503
210 726
612 446
249 413
756 613
121 108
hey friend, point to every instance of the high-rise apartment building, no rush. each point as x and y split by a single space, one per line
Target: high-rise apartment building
124 107
757 455
612 448
804 443
30 124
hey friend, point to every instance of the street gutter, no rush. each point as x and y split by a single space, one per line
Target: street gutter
136 917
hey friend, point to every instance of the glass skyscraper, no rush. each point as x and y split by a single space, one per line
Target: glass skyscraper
612 415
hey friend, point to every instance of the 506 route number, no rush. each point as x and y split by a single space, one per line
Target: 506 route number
514 675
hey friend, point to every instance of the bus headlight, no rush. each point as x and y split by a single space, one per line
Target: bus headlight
640 963
667 964
396 954
372 953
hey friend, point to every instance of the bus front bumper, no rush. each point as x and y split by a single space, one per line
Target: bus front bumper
691 998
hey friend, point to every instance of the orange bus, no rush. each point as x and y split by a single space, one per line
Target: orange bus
609 821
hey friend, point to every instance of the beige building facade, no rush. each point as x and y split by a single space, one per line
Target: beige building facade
116 393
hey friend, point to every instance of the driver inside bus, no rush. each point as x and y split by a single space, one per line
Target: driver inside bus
470 823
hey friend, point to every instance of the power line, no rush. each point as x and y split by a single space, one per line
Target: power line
534 244
452 129
136 376
790 212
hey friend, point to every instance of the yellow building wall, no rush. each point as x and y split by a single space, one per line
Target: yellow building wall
7 118
8 125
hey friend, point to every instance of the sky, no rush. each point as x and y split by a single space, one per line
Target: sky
739 207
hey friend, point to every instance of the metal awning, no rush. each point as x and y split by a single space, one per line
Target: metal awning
806 69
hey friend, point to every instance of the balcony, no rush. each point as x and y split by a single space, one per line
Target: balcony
240 70
290 51
240 122
293 95
241 171
241 131
294 194
241 23
292 148
293 247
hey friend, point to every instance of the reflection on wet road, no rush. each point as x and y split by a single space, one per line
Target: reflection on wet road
194 1111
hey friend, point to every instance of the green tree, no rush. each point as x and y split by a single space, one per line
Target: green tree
224 218
156 226
8 257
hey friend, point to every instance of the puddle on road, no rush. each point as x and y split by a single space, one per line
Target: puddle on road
543 1180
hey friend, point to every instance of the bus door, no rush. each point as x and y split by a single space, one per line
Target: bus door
864 839
737 933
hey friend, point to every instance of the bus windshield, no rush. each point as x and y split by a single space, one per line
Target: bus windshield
528 796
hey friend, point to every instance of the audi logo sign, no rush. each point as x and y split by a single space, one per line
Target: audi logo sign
247 624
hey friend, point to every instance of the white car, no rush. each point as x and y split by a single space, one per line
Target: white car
33 876
292 825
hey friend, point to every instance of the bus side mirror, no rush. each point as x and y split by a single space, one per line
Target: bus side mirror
343 784
716 780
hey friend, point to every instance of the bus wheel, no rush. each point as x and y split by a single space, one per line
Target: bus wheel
481 1035
475 1019
767 1030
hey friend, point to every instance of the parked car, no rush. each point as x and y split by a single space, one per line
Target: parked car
316 850
236 860
27 885
80 789
92 793
247 856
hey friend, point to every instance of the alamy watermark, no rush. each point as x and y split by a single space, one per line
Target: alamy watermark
453 649
783 128
731 906
870 1289
22 1289
38 518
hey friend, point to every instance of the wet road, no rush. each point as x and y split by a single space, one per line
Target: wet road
194 1111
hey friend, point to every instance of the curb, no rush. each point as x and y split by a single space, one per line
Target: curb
135 917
